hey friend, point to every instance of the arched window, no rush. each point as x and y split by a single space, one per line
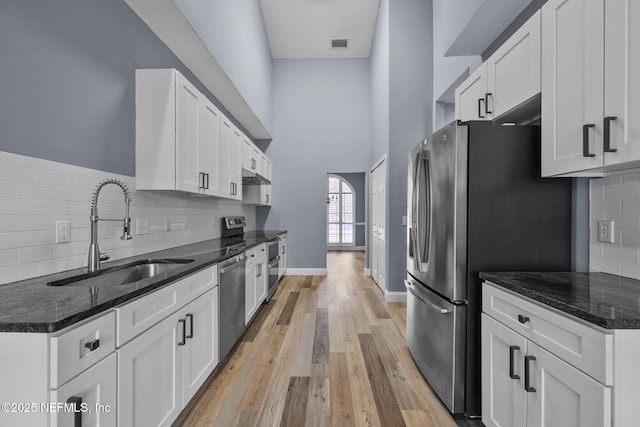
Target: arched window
341 202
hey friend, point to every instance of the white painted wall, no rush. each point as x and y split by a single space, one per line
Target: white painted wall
35 193
235 34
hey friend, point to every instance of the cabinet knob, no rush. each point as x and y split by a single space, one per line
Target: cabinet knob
92 345
523 319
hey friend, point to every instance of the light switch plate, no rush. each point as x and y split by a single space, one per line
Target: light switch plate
606 231
404 220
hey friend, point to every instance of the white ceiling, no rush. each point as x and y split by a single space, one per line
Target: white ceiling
305 28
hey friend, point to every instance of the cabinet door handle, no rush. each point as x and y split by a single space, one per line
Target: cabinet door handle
512 353
76 401
201 180
607 134
92 345
585 140
190 317
486 102
480 107
207 184
267 196
527 374
184 332
523 319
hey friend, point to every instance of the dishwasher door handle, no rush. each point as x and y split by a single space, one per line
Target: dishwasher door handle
232 267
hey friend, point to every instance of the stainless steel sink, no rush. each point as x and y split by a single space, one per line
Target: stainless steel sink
123 274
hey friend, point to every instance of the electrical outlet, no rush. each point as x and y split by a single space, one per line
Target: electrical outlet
404 220
142 226
606 231
63 232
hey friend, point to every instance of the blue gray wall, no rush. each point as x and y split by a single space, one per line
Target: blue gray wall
321 123
379 63
402 74
235 34
358 182
67 91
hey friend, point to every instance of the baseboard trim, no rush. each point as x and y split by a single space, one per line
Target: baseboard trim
395 296
306 272
367 272
345 248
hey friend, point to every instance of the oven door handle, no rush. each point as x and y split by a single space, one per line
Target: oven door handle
274 261
412 288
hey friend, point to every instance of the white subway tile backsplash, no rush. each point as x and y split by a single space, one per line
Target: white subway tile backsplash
35 193
617 198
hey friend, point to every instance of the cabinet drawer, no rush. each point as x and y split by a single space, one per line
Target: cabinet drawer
139 315
253 253
200 282
97 389
586 348
75 350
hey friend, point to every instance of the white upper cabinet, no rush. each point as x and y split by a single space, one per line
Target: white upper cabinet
508 79
470 96
591 87
209 160
177 134
230 160
622 81
572 85
513 71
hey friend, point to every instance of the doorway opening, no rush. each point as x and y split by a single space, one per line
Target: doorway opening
345 217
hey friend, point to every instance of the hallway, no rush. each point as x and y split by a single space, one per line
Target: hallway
327 350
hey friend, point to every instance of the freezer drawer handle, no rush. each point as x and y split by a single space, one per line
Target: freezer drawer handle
527 374
512 353
411 288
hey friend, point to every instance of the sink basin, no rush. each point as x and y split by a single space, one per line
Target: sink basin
123 274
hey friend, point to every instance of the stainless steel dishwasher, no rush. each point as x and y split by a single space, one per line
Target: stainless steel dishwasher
232 326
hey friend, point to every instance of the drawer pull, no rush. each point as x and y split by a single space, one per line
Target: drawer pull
527 374
190 317
77 410
92 345
184 332
607 134
512 353
523 319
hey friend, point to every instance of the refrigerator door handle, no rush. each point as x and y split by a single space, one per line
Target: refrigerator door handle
411 288
417 261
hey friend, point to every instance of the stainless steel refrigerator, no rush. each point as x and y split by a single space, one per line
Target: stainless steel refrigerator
476 202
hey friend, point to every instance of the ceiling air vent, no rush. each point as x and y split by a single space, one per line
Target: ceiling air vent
339 44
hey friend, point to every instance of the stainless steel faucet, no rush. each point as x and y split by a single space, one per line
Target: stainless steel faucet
95 256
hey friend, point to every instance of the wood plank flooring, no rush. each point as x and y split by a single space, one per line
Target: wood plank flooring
326 351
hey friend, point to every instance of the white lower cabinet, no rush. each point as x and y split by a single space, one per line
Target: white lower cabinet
91 394
150 376
160 370
255 281
525 385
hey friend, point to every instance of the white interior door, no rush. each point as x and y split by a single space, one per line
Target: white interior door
378 211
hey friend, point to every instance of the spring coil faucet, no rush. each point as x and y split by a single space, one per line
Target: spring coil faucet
95 256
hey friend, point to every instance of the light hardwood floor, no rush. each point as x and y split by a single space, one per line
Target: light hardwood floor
327 350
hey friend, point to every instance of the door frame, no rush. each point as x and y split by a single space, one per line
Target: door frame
381 161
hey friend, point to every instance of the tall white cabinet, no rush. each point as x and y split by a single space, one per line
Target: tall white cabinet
591 86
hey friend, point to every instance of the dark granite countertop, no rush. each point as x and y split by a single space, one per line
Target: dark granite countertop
606 300
32 306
